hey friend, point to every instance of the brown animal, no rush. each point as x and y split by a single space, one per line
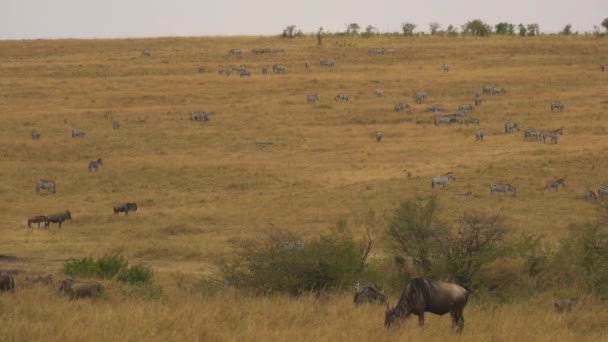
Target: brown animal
76 289
565 305
7 283
36 219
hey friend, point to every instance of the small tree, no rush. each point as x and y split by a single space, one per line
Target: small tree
352 28
408 29
605 24
533 30
477 27
522 30
320 36
452 31
434 27
370 30
504 28
567 30
289 31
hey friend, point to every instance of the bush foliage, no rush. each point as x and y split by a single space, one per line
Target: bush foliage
107 267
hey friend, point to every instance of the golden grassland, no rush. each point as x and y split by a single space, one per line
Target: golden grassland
206 188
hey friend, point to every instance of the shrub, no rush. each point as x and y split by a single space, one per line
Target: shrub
136 274
110 265
80 268
107 267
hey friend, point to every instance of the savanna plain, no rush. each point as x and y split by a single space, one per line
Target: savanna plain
267 161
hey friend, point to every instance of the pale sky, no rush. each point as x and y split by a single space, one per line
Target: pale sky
32 19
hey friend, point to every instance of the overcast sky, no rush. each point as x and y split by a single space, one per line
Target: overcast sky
29 19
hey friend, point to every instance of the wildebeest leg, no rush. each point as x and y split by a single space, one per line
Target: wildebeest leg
421 319
60 224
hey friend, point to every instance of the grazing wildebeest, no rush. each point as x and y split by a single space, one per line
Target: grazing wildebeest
57 218
7 283
369 294
76 289
36 219
589 195
95 164
425 295
125 207
565 305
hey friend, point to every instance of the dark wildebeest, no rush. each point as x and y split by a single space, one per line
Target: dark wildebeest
589 195
565 305
76 289
125 207
36 219
7 283
425 295
57 218
370 294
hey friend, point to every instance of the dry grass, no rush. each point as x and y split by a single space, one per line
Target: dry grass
204 188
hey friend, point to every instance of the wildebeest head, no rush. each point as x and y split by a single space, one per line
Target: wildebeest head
391 318
66 285
68 215
132 206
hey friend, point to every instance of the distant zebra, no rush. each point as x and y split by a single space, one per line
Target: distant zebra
442 180
278 68
379 136
376 51
227 72
312 98
36 219
501 187
436 107
115 125
202 69
125 208
532 133
487 90
602 191
342 97
306 65
498 90
35 134
95 164
288 244
401 106
448 120
77 133
510 126
146 53
589 195
557 105
264 70
477 99
552 135
464 195
472 121
480 135
327 62
555 184
420 96
57 218
465 108
234 52
378 92
603 67
445 67
47 185
199 116
390 51
246 73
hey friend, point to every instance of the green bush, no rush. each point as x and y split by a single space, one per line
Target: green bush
136 274
107 267
80 268
110 265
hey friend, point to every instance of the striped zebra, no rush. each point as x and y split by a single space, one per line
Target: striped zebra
77 133
95 164
603 67
498 90
510 126
532 133
264 70
115 125
146 53
487 90
480 135
442 180
501 187
57 218
278 68
376 51
445 67
465 108
234 52
472 121
342 97
246 73
47 185
436 107
602 191
555 184
202 69
557 105
35 134
327 62
291 244
379 136
477 99
552 135
312 98
378 92
199 116
401 106
420 96
589 195
446 119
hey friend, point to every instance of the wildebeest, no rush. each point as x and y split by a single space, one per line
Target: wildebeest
555 184
125 207
57 218
95 164
7 283
369 294
76 289
589 195
36 219
565 305
425 295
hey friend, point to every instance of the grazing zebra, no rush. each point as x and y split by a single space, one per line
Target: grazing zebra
312 98
202 69
510 126
589 195
532 133
379 136
115 125
465 108
278 68
48 185
146 53
445 67
603 67
464 195
125 208
35 134
306 65
378 92
36 219
447 119
557 105
234 52
57 218
376 51
95 164
77 133
420 96
442 180
264 70
436 107
342 97
472 121
327 62
552 134
480 135
246 73
555 184
368 294
401 106
199 116
602 191
487 90
291 244
498 90
501 187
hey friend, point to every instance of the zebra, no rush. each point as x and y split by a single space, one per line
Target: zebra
498 90
35 134
228 72
465 108
77 133
445 67
551 134
146 53
57 218
510 126
95 164
115 125
199 116
555 184
342 97
487 90
442 180
48 185
477 100
312 98
557 105
202 69
278 68
420 96
589 195
378 92
234 52
376 51
264 70
246 73
472 121
401 106
436 107
532 133
390 51
480 135
327 62
603 67
379 136
447 119
36 219
602 191
125 208
501 187
291 244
